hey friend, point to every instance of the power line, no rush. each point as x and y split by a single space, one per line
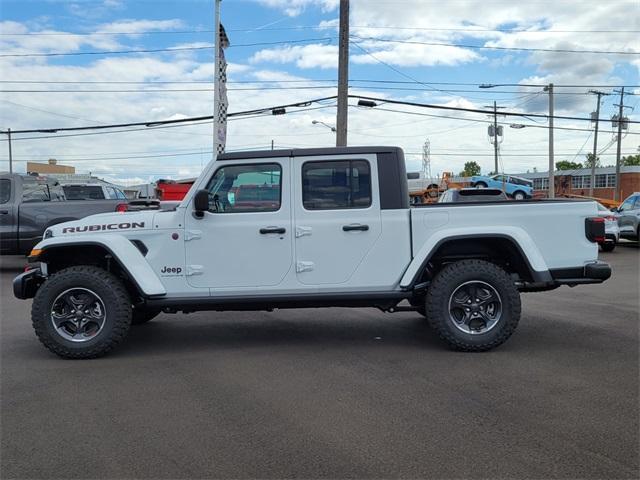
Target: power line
311 87
307 103
158 50
358 80
314 27
484 47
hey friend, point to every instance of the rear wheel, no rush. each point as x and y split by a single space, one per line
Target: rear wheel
473 305
608 246
480 185
81 312
519 195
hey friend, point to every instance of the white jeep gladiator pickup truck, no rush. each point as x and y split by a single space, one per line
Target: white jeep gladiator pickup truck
308 228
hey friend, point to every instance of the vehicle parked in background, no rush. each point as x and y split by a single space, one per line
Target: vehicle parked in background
30 204
629 217
308 228
172 190
92 191
611 229
516 187
454 195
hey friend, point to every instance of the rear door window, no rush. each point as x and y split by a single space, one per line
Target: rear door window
5 190
333 185
83 192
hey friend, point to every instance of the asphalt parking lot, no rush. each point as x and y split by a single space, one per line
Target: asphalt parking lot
334 393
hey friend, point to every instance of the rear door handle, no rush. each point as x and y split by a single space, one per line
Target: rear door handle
268 230
352 228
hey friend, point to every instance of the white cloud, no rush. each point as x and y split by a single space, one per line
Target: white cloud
293 8
304 56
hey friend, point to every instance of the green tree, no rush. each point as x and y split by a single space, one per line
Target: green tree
630 160
470 169
566 165
589 161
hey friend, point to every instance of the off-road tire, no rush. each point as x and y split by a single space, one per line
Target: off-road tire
608 246
143 315
448 280
111 291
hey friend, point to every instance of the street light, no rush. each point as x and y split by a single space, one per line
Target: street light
318 122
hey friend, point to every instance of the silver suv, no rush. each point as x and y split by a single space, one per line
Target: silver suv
629 217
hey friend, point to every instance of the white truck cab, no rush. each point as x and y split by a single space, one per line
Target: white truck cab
308 228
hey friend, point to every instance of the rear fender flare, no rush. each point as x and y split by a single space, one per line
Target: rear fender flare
536 263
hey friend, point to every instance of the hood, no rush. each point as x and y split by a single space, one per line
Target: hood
104 223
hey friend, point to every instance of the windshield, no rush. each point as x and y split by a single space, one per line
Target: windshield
83 192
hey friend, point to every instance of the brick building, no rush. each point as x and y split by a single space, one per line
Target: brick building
49 168
577 182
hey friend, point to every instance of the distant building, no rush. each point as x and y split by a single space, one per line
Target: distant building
578 182
49 168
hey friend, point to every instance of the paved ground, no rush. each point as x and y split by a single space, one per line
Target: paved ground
333 393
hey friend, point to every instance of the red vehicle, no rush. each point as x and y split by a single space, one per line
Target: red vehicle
172 190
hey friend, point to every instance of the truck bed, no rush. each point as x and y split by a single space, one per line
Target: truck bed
537 225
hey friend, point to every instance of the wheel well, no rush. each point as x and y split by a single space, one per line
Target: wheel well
58 258
502 251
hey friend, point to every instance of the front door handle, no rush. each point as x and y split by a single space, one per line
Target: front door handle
268 230
4 212
352 228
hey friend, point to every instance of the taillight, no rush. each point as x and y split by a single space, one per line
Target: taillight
122 207
594 229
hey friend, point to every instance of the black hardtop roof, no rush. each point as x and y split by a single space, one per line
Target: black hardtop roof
306 152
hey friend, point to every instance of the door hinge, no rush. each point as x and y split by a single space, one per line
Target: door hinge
194 270
302 231
192 235
304 266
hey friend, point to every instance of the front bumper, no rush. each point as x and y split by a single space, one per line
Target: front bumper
26 284
596 272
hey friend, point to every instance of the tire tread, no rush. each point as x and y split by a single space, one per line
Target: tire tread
122 317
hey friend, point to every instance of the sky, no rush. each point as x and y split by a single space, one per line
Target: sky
285 52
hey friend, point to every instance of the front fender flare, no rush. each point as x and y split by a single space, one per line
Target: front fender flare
518 236
122 250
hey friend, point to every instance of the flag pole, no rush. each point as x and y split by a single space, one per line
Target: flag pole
216 80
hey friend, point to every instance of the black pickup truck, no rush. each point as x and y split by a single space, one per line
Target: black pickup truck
29 204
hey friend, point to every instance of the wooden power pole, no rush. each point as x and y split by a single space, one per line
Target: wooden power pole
343 75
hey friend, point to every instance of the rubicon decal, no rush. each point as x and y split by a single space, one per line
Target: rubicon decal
107 226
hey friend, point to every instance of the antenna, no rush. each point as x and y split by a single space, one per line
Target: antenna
426 159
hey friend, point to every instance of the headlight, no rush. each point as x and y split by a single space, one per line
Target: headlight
48 233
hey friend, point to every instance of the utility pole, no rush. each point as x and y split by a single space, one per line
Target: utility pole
552 179
343 75
495 135
595 140
620 121
495 132
10 154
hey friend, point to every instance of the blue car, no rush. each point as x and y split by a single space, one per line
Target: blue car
516 187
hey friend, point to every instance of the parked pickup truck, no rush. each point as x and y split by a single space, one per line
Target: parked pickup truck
308 228
30 204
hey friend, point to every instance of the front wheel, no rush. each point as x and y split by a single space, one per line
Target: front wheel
473 305
519 195
480 185
81 312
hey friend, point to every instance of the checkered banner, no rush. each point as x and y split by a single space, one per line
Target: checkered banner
221 93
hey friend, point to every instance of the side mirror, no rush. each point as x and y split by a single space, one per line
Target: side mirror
201 202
